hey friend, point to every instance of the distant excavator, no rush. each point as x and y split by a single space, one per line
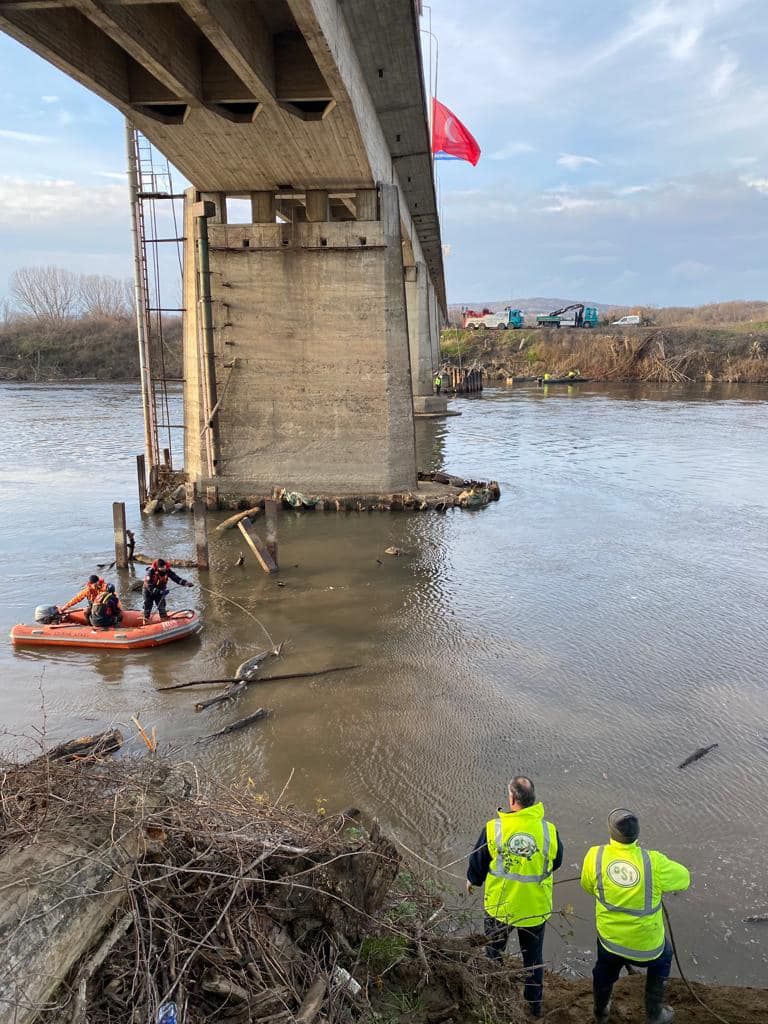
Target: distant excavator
583 316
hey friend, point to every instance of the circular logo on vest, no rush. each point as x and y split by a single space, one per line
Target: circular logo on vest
522 844
623 873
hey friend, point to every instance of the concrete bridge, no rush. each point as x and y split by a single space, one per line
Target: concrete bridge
311 332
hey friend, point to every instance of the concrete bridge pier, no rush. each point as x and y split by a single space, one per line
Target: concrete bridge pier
302 377
424 339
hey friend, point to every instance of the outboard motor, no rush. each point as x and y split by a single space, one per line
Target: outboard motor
47 614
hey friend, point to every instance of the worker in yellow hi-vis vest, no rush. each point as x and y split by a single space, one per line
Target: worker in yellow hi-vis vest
628 883
514 858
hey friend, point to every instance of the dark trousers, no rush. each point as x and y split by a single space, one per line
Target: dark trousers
531 950
154 597
606 971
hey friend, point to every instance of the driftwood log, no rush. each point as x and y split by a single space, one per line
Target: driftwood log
258 679
239 685
180 563
98 745
235 519
241 723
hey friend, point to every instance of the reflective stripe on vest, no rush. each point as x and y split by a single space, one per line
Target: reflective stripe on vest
499 870
647 909
632 954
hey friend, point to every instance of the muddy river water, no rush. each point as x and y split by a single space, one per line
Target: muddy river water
591 629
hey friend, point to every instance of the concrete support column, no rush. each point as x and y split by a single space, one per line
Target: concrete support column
316 201
423 340
263 207
219 200
419 328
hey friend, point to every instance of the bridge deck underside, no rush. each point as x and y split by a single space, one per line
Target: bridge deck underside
245 95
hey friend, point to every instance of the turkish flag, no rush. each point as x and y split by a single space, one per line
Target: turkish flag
450 139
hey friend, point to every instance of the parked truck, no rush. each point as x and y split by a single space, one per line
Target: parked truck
575 315
506 319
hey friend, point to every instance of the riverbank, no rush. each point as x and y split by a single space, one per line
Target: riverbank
157 886
82 349
677 355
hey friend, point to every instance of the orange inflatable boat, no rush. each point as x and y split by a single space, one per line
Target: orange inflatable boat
74 631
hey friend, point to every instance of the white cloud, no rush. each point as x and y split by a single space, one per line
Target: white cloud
684 46
722 79
690 270
582 257
569 204
758 184
25 201
512 149
743 161
633 190
114 175
49 99
573 161
7 133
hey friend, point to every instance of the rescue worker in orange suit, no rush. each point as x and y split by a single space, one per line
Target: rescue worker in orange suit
156 587
89 593
514 859
628 883
106 611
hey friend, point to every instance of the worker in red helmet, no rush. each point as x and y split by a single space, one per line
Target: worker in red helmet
155 589
89 593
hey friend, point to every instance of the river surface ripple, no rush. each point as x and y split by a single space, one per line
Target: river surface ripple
594 627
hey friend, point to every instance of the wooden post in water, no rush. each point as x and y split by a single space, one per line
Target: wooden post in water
201 532
257 546
141 473
212 498
271 509
167 459
121 540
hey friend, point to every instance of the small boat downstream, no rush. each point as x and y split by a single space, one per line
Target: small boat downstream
130 634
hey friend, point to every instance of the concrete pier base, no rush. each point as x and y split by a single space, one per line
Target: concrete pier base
431 405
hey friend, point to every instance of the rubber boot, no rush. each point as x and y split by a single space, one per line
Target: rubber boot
656 1011
602 998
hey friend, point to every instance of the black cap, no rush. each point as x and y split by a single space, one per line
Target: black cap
93 578
111 588
623 825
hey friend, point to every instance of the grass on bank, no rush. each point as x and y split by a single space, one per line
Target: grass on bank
86 347
660 355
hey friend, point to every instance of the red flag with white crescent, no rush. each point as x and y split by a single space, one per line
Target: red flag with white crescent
450 139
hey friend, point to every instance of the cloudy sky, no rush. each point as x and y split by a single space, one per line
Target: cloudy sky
625 153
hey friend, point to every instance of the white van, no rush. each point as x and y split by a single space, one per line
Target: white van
626 321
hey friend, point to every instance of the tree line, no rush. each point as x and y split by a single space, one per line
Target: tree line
53 297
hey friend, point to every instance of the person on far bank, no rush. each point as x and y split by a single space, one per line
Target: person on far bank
106 611
155 588
514 859
438 383
628 883
89 593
